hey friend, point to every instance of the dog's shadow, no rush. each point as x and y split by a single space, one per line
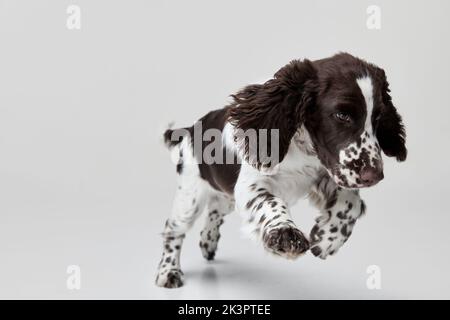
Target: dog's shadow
226 280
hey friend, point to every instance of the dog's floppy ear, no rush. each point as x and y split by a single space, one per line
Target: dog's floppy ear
277 106
390 129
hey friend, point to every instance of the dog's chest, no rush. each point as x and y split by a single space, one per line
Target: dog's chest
292 185
296 175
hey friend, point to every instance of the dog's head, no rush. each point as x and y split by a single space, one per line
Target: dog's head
345 105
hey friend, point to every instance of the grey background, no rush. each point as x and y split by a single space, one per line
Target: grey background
84 178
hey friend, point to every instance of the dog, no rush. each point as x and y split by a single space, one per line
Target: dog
333 118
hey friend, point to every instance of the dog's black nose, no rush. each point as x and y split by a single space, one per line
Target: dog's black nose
371 176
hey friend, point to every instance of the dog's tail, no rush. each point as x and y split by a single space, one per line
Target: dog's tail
173 137
167 136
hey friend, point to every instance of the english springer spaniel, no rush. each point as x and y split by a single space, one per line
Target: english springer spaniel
332 117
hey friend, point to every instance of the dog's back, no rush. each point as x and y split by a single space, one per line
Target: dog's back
221 175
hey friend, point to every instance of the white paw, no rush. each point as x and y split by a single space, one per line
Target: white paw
288 242
208 249
170 278
327 237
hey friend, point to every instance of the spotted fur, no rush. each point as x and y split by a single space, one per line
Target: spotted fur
360 162
323 157
194 195
340 208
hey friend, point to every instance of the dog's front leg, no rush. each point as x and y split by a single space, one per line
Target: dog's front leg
267 216
340 208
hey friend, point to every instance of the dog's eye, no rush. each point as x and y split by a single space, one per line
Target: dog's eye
343 117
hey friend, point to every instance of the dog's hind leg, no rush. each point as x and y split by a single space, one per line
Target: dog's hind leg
189 203
218 206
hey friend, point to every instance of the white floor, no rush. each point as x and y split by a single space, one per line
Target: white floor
118 249
85 181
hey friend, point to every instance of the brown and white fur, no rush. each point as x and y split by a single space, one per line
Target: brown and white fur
334 117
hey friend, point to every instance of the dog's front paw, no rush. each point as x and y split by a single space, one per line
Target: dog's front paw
328 238
287 242
172 278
